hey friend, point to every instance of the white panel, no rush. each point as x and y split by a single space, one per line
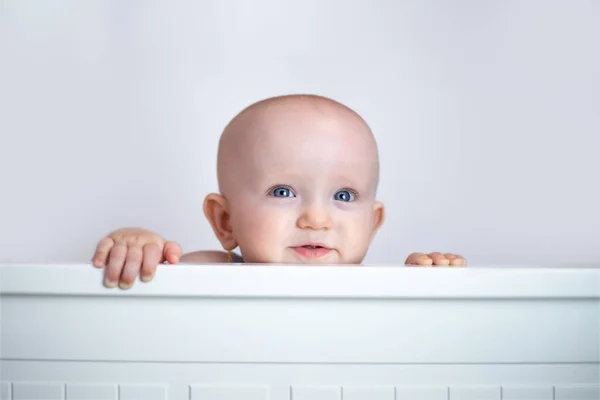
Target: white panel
141 391
367 393
564 331
92 391
38 391
421 393
475 393
577 392
228 392
5 390
527 393
316 393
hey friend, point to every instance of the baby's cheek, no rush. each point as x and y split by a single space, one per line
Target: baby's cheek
353 220
261 233
356 232
249 226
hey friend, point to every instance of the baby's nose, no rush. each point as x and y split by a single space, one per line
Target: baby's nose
315 216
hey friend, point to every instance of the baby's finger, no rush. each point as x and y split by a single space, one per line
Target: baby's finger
424 260
102 251
172 252
419 259
458 261
411 259
439 259
152 256
133 263
115 265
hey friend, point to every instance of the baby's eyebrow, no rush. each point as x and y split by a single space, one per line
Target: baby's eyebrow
281 177
350 183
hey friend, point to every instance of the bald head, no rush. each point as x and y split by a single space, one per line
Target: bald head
290 124
296 170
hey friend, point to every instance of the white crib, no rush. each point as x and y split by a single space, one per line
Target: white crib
214 332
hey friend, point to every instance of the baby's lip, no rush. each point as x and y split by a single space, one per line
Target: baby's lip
313 244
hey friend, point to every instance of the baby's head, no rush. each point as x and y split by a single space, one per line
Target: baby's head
298 179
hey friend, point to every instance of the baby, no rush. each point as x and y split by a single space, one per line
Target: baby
298 178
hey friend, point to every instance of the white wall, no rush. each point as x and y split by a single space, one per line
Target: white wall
487 115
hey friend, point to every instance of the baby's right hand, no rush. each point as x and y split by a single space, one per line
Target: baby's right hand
127 252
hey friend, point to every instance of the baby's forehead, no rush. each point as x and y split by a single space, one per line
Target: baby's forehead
304 137
297 154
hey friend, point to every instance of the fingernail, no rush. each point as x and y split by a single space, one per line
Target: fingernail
109 283
147 278
124 285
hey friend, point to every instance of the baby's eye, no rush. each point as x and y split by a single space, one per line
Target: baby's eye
282 191
344 195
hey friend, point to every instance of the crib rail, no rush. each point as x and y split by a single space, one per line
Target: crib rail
301 333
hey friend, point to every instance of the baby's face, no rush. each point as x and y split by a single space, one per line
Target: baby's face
302 188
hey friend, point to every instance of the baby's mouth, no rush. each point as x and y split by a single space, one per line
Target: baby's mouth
312 251
313 246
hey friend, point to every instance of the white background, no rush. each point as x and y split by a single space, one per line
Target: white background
487 115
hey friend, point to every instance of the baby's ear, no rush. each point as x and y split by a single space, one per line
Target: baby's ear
378 217
216 210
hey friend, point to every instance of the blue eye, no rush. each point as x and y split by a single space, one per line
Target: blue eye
282 191
344 195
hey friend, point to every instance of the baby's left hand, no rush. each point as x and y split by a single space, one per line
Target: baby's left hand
440 259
